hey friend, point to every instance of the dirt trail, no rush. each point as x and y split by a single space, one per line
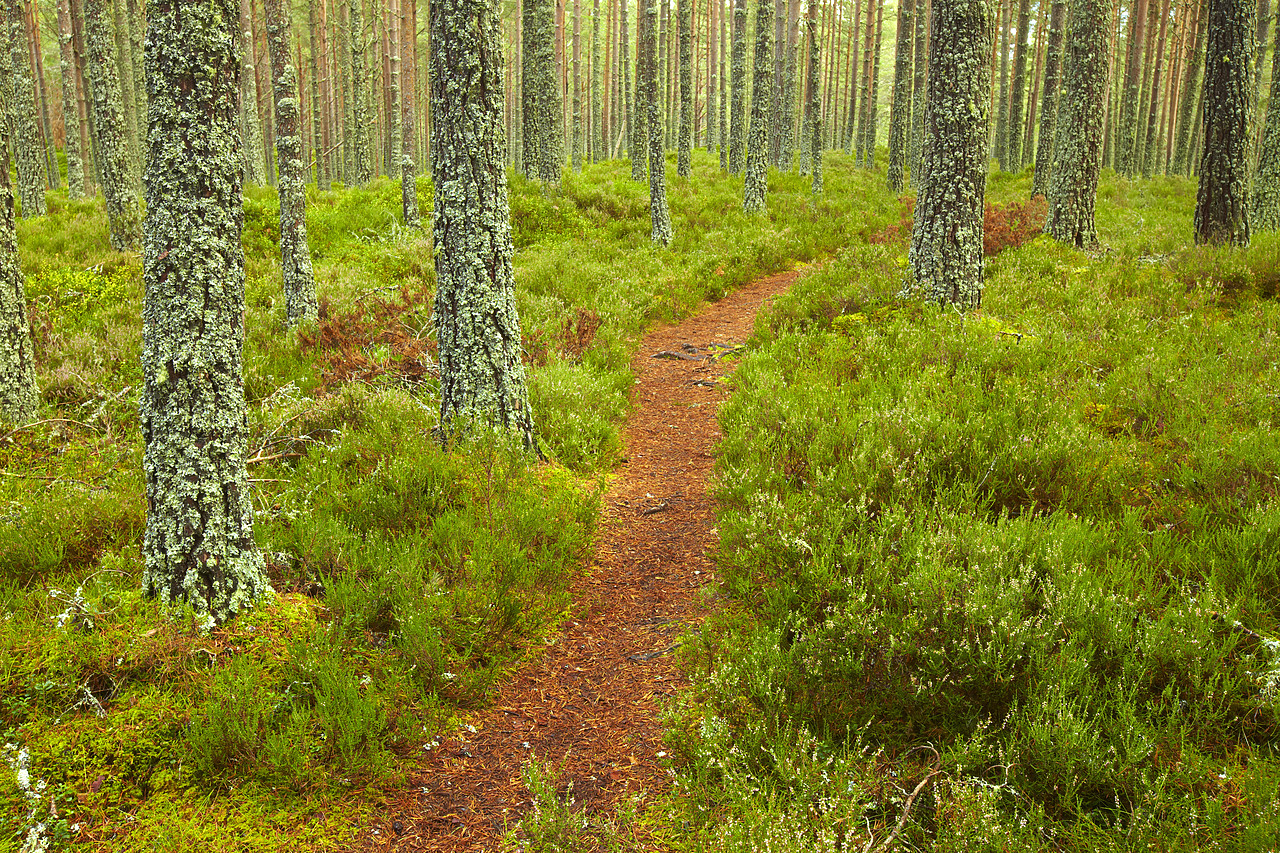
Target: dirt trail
588 705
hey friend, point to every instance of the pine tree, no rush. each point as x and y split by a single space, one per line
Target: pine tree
250 126
651 100
1221 202
1264 205
1073 178
19 400
684 141
199 546
361 154
1188 100
900 113
714 10
945 257
324 181
295 256
124 215
575 90
1049 99
1017 95
640 114
28 150
542 136
598 142
756 184
408 120
70 103
738 96
813 103
1151 144
918 87
1127 130
1002 103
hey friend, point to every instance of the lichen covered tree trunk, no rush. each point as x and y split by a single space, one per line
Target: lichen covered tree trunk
945 257
18 397
408 164
361 152
295 256
651 102
250 126
70 103
1073 178
481 375
738 92
319 138
757 177
124 215
1049 99
1189 98
1018 88
199 546
1221 202
684 140
900 112
1264 205
813 103
543 137
918 88
24 139
715 9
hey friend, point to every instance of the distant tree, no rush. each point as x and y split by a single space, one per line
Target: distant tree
1018 89
199 545
19 400
575 91
637 106
813 104
1151 143
918 86
1221 203
945 257
543 137
1002 102
598 143
756 184
659 214
361 155
295 256
738 94
408 121
1073 178
900 112
1049 99
124 215
684 139
1130 105
28 150
790 73
70 103
250 126
715 9
481 373
1264 205
1187 101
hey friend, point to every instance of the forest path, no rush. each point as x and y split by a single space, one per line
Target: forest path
588 706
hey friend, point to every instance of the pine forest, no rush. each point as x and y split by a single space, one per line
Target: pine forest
803 426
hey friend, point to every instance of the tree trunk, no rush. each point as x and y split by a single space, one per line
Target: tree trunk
1126 141
1264 206
918 87
361 154
199 546
868 64
50 148
19 398
128 91
84 111
738 97
640 101
1073 182
650 99
900 113
123 213
1190 89
813 102
28 150
1002 104
756 184
684 142
1049 99
319 98
945 258
295 256
1151 145
251 127
1221 203
70 98
576 93
540 93
1017 97
408 122
597 149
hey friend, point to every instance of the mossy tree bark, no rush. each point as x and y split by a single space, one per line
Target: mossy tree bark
575 89
19 400
900 112
24 139
1018 88
124 215
1264 205
319 137
542 136
1221 202
790 75
482 378
1002 102
918 87
1188 99
945 257
757 178
715 9
651 100
637 107
1049 99
199 546
1073 179
70 103
295 255
598 145
250 125
813 103
408 122
738 92
684 140
361 151
723 99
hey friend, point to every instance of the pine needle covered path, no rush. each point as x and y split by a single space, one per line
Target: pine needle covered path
588 706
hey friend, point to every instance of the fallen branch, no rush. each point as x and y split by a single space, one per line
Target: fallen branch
906 808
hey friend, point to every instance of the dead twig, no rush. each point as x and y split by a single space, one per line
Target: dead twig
49 421
906 807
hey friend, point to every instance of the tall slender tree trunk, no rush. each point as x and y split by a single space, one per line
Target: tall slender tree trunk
1222 200
542 135
1049 99
50 148
123 213
128 91
868 65
361 154
199 546
1073 182
1126 142
1152 128
724 88
813 102
84 109
918 86
659 214
1002 104
640 116
738 106
28 150
70 99
756 184
408 121
251 127
715 11
319 127
900 113
19 398
1264 205
597 147
1017 95
945 258
684 142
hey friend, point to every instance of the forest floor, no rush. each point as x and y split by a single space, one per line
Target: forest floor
587 708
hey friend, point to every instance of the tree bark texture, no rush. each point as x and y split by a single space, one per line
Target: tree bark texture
70 103
738 94
640 114
659 213
900 113
757 176
28 150
199 546
1073 179
945 257
1221 202
684 140
1264 205
918 87
542 136
19 400
123 212
361 152
813 103
295 256
1191 82
408 121
1049 99
1018 90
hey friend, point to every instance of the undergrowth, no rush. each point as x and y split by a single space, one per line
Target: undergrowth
1004 580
